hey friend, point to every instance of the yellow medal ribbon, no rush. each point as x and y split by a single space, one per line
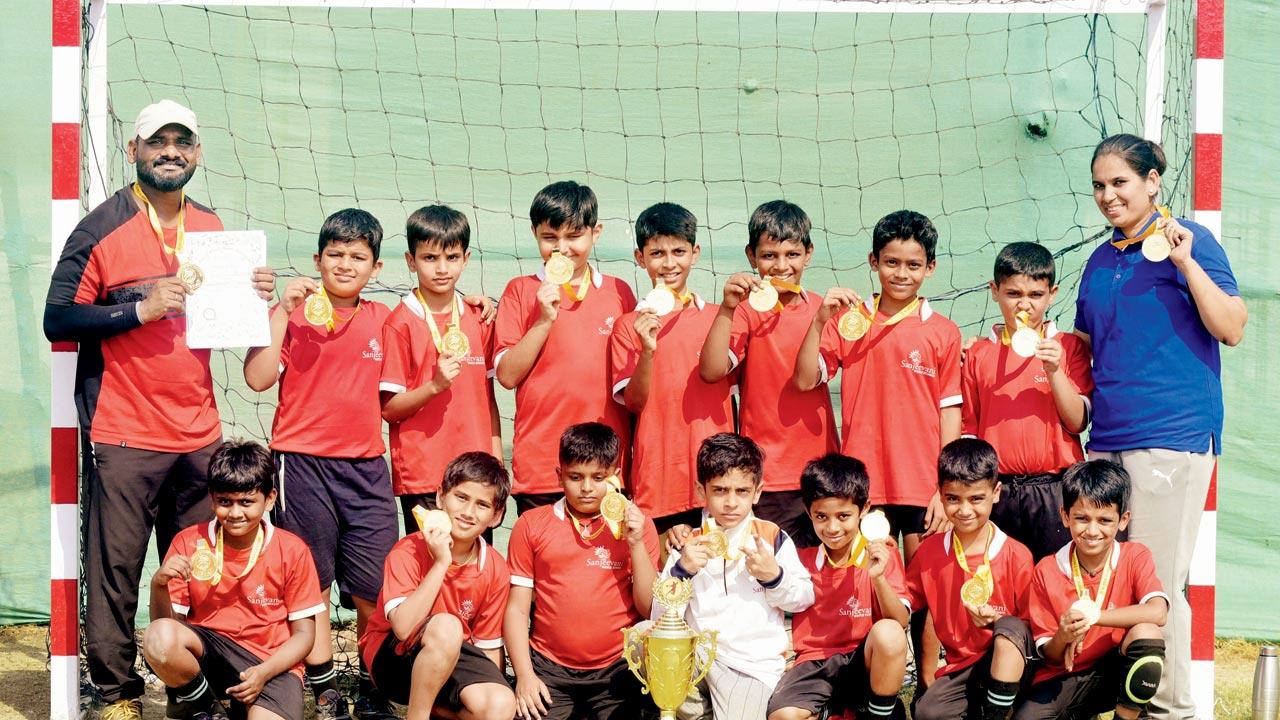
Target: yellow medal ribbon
1103 584
857 554
429 316
897 317
958 547
1151 230
253 556
977 590
1020 320
581 293
155 220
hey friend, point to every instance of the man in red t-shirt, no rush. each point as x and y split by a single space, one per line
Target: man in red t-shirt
233 608
1096 607
144 400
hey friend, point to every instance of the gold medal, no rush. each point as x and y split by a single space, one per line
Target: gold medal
1088 610
1024 342
455 343
191 276
764 298
318 310
853 324
661 300
975 592
874 526
613 508
558 269
203 563
1156 247
978 589
1090 606
717 542
429 519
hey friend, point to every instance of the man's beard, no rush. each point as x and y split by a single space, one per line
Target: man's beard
164 184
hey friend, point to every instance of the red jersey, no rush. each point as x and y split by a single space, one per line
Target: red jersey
934 579
1008 403
1133 582
476 593
311 418
255 610
681 411
143 387
844 607
897 379
449 424
790 426
581 587
569 381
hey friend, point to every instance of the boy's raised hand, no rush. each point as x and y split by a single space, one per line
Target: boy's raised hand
694 555
532 697
646 325
447 368
440 543
1049 350
488 308
166 295
264 282
836 299
761 562
983 615
877 558
634 520
548 301
252 680
738 287
677 536
296 292
175 568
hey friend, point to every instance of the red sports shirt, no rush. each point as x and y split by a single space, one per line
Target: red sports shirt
476 593
581 588
254 611
569 381
449 424
312 418
792 427
897 379
1008 403
934 579
681 411
844 607
1133 582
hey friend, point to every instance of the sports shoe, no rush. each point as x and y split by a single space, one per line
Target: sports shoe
129 709
374 707
330 705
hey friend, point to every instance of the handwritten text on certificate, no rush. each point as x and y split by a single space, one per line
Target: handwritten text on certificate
225 311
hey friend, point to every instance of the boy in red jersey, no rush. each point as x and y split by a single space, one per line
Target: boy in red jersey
653 361
974 580
233 607
437 379
585 583
790 426
851 651
1096 607
335 491
552 342
436 637
1031 409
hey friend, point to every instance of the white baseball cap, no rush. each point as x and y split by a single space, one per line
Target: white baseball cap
166 112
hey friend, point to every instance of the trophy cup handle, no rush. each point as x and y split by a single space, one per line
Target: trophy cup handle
633 652
702 662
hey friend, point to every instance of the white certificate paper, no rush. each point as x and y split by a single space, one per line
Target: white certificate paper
225 311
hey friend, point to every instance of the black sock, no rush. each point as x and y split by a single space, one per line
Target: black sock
196 694
880 705
1000 697
366 685
322 677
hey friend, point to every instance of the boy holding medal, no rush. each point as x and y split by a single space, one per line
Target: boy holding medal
761 335
1026 391
587 564
1096 607
851 651
335 490
436 387
233 607
552 340
653 361
974 581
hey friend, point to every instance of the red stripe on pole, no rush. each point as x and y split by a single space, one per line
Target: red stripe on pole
1201 598
1208 169
63 614
66 161
64 347
63 477
1209 23
1211 500
66 23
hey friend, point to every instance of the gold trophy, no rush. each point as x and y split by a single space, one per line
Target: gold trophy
669 658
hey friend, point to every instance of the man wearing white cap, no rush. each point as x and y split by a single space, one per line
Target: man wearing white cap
148 420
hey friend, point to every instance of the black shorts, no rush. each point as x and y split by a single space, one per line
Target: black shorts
692 518
963 692
841 682
530 501
786 509
1078 695
1029 512
345 512
609 693
223 659
905 519
392 673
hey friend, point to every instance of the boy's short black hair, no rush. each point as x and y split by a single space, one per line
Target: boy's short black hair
905 225
1024 258
564 203
589 442
351 225
439 224
1098 482
242 466
835 475
725 452
781 221
968 461
478 467
667 219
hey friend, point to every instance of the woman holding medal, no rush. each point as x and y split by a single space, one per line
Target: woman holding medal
1154 303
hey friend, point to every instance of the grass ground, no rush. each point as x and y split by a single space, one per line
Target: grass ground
24 677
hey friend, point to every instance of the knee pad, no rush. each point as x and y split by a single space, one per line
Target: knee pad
1142 667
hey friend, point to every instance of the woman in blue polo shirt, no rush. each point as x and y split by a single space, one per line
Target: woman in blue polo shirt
1154 318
